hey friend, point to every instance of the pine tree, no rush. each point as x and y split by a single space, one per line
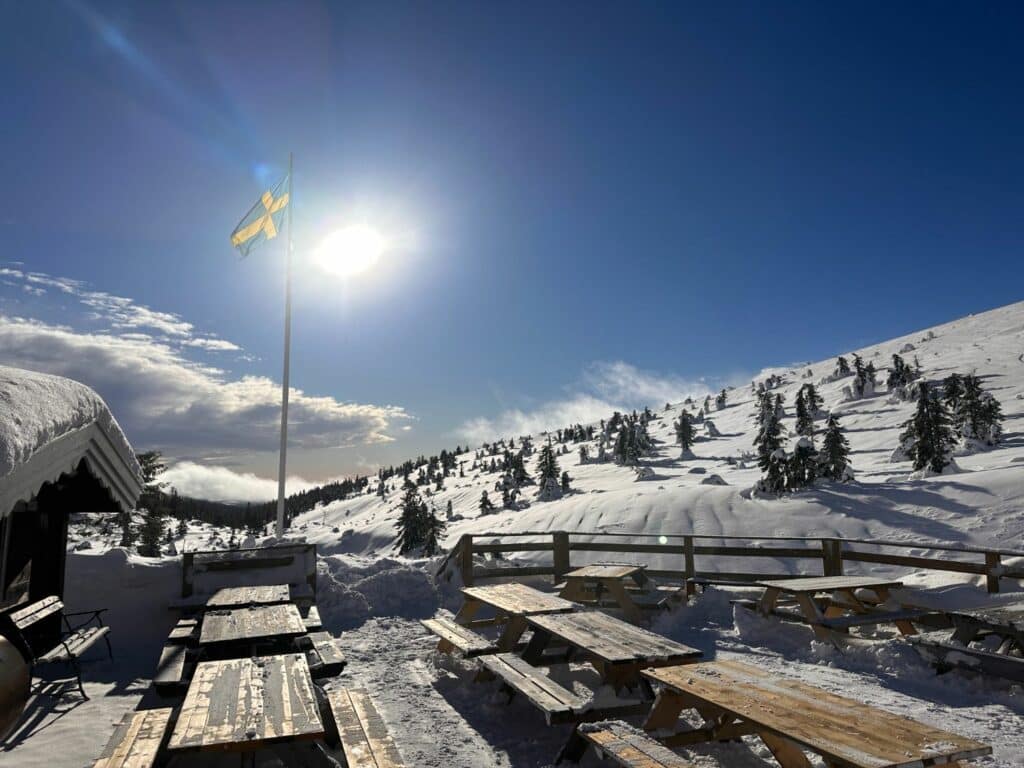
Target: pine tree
433 529
152 535
802 467
835 451
720 400
776 467
410 523
804 421
813 399
842 367
584 454
547 469
124 519
953 392
979 415
768 441
927 438
565 482
486 506
684 432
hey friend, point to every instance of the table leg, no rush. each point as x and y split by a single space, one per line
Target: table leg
768 600
665 712
618 591
514 629
786 752
468 610
813 615
573 589
534 651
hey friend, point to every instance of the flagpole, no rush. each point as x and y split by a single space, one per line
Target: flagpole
287 355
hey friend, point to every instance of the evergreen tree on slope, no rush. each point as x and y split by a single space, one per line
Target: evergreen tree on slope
835 451
927 437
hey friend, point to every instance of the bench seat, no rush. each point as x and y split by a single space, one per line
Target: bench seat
626 746
558 704
454 635
185 631
945 655
136 740
866 619
363 734
74 645
326 659
170 677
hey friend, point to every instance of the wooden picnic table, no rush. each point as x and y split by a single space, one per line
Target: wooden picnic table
258 622
513 603
589 583
790 716
243 704
618 650
987 639
232 597
841 608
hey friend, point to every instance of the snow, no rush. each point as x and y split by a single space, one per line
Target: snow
36 409
441 717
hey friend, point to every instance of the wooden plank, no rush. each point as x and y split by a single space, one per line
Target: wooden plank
230 597
612 640
170 670
136 740
842 730
331 659
312 619
363 733
77 644
630 748
815 584
518 599
184 631
466 640
240 704
252 623
557 703
36 612
604 571
944 655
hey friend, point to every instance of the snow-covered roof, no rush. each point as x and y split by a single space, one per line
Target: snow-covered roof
48 425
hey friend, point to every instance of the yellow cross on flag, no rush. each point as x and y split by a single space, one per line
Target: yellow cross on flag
263 219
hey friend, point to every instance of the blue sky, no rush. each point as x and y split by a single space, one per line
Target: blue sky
589 204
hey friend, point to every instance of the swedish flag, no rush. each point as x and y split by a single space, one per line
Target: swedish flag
263 220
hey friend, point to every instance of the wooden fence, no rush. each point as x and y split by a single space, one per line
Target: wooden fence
816 556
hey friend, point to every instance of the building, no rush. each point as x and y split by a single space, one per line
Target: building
61 451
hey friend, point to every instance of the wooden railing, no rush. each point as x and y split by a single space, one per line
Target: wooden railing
827 556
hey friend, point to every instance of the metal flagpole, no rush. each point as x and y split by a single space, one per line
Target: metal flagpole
287 354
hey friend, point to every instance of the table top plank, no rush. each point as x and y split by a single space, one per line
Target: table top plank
518 599
613 640
813 584
230 597
242 703
605 571
251 623
836 727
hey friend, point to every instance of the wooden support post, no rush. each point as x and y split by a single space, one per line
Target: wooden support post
831 557
560 540
466 559
992 566
689 569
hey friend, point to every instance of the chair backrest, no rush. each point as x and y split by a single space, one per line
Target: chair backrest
33 613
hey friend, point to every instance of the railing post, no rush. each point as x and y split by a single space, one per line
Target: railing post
560 541
831 557
466 559
993 564
689 569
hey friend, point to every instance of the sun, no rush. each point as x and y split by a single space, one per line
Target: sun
350 250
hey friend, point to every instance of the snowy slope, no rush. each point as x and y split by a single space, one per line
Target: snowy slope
981 505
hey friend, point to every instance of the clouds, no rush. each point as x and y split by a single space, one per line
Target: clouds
222 484
603 388
184 407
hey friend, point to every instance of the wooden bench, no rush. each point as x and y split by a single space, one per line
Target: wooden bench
622 744
185 631
324 655
136 740
945 655
171 671
73 642
558 704
361 730
312 619
454 635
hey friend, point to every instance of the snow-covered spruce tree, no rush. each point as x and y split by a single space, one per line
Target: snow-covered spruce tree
835 451
804 421
813 400
900 374
565 481
768 438
776 468
927 439
485 506
842 368
584 454
448 512
411 522
684 433
548 474
128 536
780 412
979 416
152 534
433 530
953 392
802 466
720 400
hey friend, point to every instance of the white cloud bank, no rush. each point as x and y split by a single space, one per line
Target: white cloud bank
604 387
222 484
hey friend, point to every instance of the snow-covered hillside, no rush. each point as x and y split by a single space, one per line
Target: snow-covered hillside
981 504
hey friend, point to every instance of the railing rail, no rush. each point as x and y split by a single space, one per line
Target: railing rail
831 552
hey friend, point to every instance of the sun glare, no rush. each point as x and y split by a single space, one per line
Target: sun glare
350 250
